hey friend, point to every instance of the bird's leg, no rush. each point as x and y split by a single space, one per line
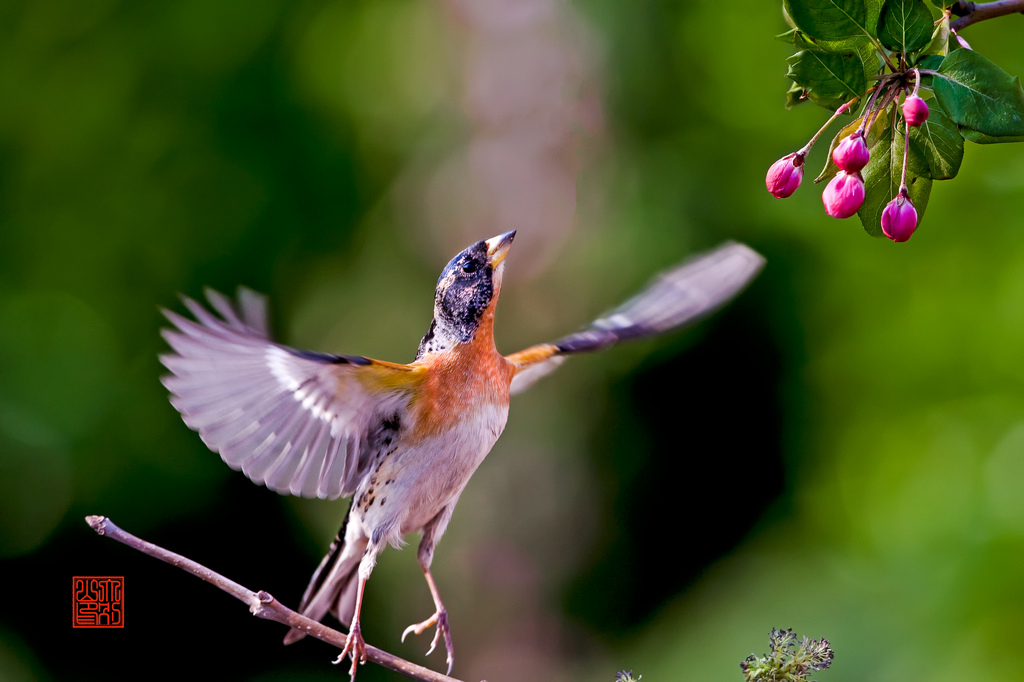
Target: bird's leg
355 646
440 617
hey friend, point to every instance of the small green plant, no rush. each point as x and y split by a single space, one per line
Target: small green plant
788 660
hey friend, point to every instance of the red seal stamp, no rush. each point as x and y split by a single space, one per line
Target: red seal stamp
97 601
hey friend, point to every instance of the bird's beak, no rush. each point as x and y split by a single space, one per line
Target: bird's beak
497 247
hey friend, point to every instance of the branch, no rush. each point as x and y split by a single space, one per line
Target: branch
972 13
262 605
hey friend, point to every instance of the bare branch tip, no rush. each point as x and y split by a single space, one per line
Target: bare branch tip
97 523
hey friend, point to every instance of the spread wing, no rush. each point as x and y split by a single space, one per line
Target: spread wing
674 298
298 422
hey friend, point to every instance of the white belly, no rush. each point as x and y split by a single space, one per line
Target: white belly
415 483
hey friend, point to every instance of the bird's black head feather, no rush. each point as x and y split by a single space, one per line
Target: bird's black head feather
464 290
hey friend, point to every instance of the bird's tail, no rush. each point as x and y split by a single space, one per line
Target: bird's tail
333 586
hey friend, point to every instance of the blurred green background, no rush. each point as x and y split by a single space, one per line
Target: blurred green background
840 452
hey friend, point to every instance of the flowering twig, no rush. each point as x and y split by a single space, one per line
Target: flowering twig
869 111
972 12
909 121
906 154
262 605
839 112
786 174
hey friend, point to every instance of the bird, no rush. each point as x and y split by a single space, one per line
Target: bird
402 440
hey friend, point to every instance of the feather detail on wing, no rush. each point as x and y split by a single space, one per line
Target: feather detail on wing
299 422
674 298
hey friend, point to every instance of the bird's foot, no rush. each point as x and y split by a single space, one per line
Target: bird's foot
355 647
440 619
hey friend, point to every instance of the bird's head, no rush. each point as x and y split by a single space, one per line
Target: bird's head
466 291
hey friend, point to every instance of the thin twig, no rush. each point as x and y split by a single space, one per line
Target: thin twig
972 12
262 605
839 112
868 112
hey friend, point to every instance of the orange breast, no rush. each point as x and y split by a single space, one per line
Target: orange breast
460 381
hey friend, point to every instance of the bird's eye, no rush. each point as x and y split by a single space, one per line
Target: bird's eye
469 266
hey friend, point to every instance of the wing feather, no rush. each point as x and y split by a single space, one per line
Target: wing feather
673 299
296 421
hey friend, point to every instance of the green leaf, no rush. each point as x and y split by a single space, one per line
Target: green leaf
905 25
981 138
939 44
802 41
930 61
882 179
979 95
789 36
832 78
939 141
795 95
834 19
873 133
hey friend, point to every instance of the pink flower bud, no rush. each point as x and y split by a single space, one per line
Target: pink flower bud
785 175
915 111
843 195
899 218
852 153
963 43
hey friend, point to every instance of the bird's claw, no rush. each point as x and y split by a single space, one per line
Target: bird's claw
440 619
355 647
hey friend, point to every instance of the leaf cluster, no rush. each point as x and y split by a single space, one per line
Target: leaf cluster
788 659
853 49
